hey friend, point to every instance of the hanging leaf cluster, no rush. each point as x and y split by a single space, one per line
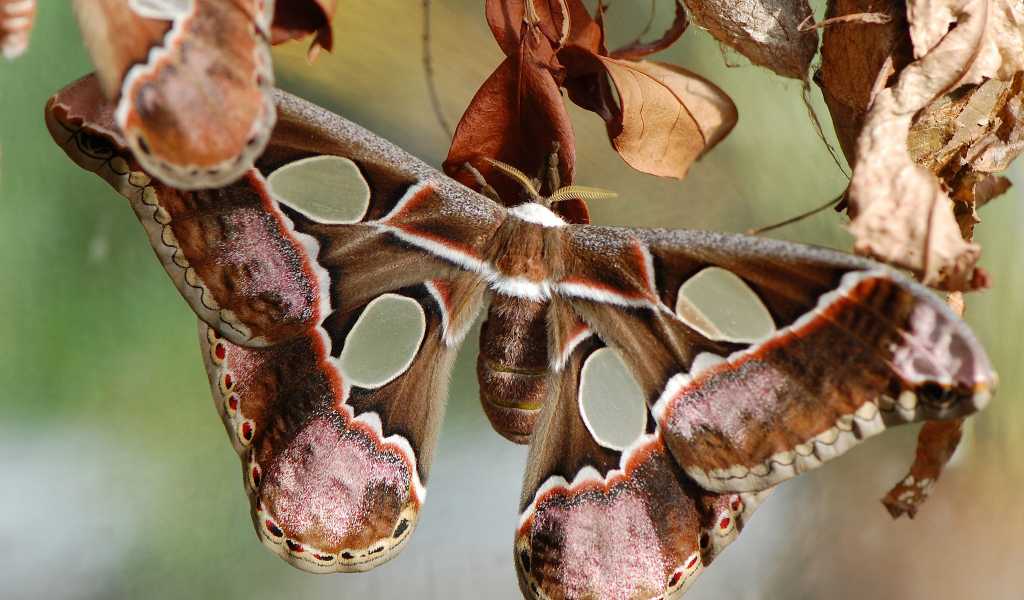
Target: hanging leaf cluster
925 97
927 106
660 117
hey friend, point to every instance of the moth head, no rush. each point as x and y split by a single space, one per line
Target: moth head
569 192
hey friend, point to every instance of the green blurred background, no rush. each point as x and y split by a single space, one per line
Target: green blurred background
117 480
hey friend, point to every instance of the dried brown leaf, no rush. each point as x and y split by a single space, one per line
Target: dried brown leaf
852 54
587 82
998 54
936 444
971 131
1004 142
901 212
505 18
765 31
299 18
953 123
669 116
989 189
519 111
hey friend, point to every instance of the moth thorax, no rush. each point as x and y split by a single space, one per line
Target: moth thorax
531 212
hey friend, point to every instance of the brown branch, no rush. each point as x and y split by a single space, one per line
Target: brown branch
798 217
428 69
872 18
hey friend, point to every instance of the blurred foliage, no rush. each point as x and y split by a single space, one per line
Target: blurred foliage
117 479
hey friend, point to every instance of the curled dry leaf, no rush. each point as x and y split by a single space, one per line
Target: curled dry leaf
765 31
1003 140
514 118
298 18
947 141
965 135
951 125
901 211
999 52
936 444
638 48
17 18
669 118
519 112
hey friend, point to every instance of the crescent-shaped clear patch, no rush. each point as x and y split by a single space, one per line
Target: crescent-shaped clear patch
164 10
611 403
383 342
327 189
720 305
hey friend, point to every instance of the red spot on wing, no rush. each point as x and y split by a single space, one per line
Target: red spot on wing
247 430
220 351
581 329
441 241
444 293
724 523
600 286
409 217
411 207
233 403
640 255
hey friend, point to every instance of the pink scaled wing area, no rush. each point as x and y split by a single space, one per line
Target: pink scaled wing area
329 490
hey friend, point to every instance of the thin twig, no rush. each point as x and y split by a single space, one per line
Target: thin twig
798 217
806 95
428 68
874 18
650 21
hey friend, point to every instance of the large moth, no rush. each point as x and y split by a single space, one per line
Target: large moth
665 380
